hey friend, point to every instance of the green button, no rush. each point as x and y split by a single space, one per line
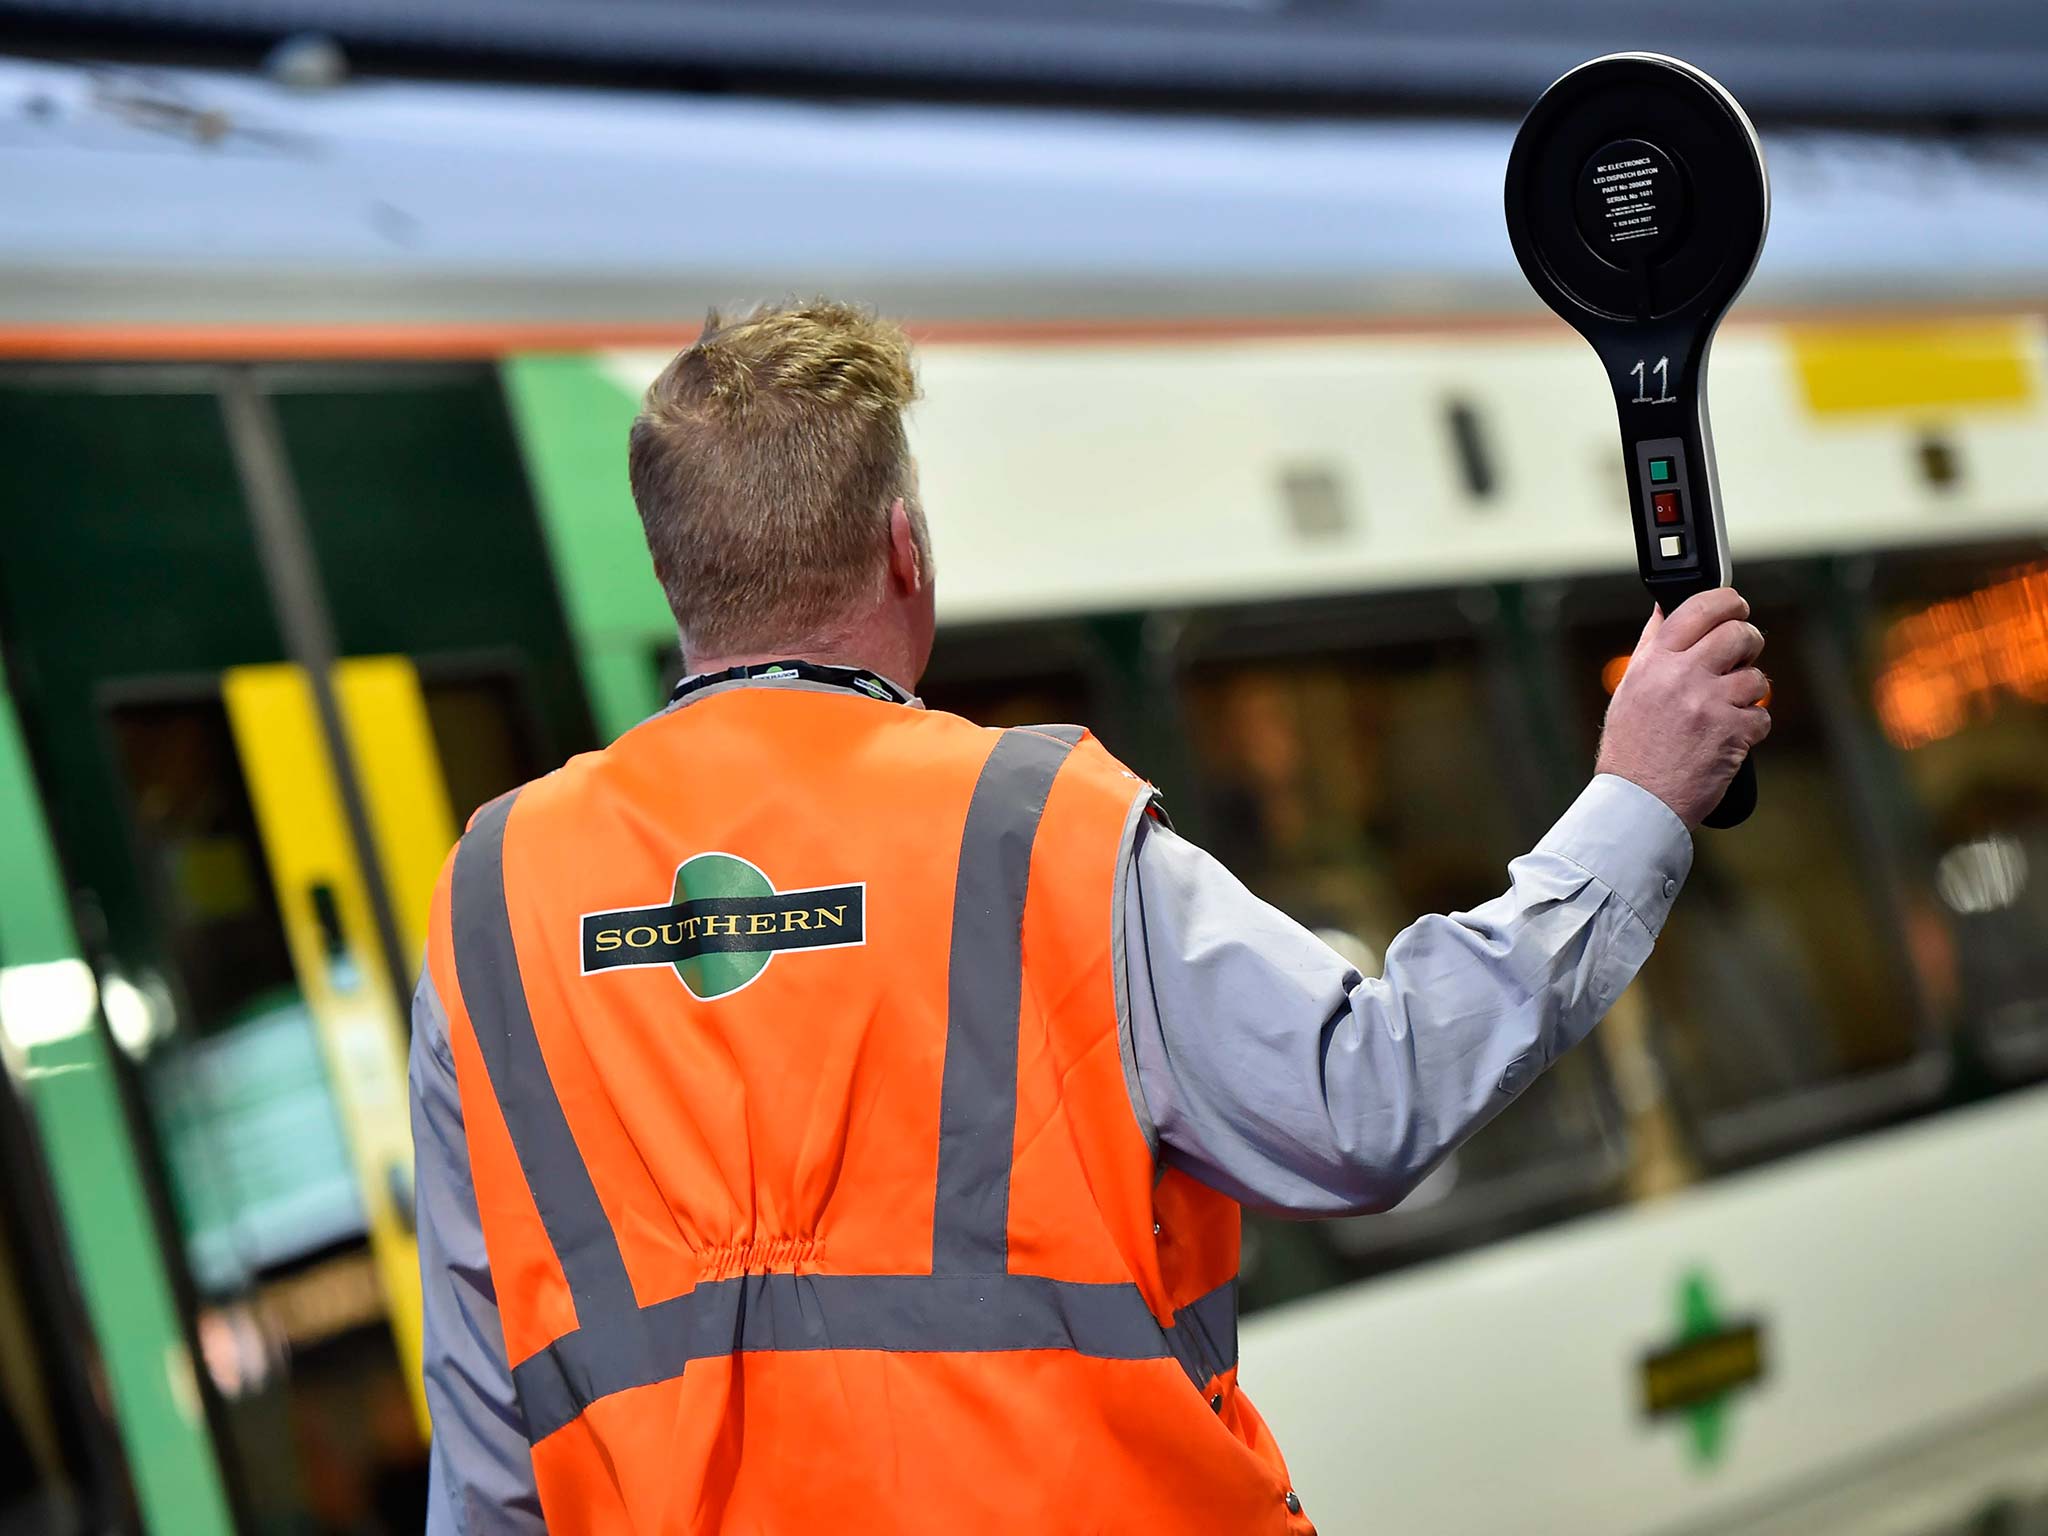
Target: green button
1660 471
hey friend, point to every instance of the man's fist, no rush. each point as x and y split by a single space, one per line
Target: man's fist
1688 709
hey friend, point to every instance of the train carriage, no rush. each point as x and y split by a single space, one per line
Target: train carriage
1241 443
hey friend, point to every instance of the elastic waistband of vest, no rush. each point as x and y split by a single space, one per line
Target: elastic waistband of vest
907 1314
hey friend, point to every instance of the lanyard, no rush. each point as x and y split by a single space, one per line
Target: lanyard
857 679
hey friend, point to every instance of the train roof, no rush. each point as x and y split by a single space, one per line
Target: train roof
156 196
1892 57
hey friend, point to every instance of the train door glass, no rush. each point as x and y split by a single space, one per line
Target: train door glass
486 732
1954 656
1780 999
252 899
258 1165
1360 775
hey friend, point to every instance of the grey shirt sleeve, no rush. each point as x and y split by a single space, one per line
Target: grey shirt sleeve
480 1473
1266 1066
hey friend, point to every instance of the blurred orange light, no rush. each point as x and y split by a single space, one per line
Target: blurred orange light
1951 661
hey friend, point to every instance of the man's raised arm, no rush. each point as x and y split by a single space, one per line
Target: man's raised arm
1265 1065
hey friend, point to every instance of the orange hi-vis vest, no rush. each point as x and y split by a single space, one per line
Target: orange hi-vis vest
786 1030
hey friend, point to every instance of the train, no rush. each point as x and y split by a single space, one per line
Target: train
1243 444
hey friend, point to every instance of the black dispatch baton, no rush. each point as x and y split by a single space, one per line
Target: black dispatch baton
1637 202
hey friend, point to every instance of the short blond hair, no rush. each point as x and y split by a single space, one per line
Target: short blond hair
764 461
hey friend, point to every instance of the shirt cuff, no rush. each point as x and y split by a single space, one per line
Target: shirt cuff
1628 840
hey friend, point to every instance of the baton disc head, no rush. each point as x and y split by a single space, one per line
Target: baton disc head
1637 204
1636 193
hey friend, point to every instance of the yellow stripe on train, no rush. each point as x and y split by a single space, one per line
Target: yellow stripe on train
1933 366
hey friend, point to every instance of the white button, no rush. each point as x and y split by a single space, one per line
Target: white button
1672 545
1670 889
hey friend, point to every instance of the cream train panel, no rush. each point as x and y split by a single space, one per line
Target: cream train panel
1084 477
1897 1282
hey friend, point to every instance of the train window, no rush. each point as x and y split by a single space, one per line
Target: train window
1354 792
1358 786
258 1168
484 732
200 852
1779 994
1955 658
1022 698
1038 674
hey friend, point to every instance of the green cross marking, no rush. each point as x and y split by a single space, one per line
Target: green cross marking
1697 1374
1699 1318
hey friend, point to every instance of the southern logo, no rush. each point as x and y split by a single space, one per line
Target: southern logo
723 923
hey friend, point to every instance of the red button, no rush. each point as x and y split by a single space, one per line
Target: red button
1666 505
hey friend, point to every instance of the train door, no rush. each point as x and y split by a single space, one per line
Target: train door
274 633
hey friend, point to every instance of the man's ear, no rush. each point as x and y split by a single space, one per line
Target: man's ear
906 563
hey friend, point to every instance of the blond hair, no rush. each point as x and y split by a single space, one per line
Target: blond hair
764 461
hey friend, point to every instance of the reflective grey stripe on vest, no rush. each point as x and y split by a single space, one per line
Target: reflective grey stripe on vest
967 1304
984 993
487 969
914 1314
1070 734
1203 1337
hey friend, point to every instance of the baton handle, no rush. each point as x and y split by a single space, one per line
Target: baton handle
1674 495
1737 802
1739 799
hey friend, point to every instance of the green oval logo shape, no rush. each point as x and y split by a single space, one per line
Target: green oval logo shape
713 878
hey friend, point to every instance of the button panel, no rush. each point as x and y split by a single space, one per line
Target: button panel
1664 482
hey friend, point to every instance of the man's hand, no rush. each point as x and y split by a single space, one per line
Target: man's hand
1687 711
